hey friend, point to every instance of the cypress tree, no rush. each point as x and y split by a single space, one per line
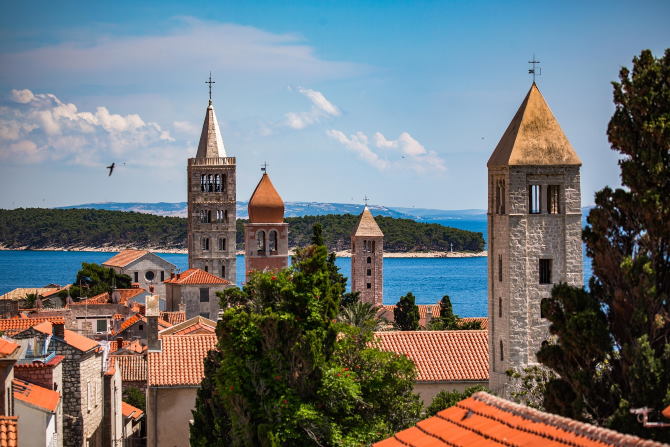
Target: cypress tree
406 313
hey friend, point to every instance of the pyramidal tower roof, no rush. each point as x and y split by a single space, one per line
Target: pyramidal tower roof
367 226
265 205
534 137
211 143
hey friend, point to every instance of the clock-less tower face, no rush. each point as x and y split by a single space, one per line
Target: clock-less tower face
367 260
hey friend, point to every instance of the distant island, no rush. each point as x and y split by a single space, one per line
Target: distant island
94 229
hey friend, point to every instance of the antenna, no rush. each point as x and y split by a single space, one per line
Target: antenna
535 70
210 82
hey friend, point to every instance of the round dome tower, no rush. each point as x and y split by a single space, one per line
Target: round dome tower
265 205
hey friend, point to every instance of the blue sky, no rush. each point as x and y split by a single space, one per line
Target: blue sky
402 101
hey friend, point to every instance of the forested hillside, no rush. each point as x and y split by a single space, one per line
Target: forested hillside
72 228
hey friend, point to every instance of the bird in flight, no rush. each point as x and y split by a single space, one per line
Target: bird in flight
111 169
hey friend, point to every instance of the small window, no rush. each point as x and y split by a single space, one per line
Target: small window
101 326
369 272
204 295
534 202
141 327
373 246
545 271
137 277
369 286
149 275
500 197
260 242
500 306
222 244
272 241
205 243
499 267
369 260
223 270
162 275
502 355
552 199
206 269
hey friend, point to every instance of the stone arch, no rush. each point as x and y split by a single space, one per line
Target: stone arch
272 241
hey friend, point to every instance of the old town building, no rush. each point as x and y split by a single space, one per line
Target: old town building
367 259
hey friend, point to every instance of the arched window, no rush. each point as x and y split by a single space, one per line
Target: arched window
222 244
203 181
272 241
210 183
260 241
223 182
205 243
502 355
223 270
369 260
217 183
500 306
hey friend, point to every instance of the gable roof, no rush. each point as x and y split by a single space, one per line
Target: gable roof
484 419
8 431
128 411
175 317
21 292
441 356
196 276
180 360
124 258
73 339
129 346
367 225
36 396
13 326
195 325
133 367
7 348
533 137
126 295
139 318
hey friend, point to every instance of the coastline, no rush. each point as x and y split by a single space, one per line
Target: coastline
339 254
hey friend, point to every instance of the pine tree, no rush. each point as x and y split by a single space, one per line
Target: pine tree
612 347
406 313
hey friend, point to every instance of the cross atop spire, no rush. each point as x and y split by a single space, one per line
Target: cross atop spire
210 82
264 167
366 199
535 70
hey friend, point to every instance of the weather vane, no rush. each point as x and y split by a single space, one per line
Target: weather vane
535 70
210 82
264 167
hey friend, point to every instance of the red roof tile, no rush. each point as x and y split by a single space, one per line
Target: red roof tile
37 396
124 258
133 367
20 293
127 294
37 364
8 431
71 338
441 355
180 361
174 317
195 325
162 324
126 345
426 310
196 276
12 326
484 420
102 298
7 348
129 411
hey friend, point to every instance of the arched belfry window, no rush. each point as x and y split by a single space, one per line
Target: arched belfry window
223 270
210 183
260 242
369 260
217 183
272 241
203 182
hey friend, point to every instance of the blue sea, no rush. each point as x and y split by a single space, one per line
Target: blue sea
463 279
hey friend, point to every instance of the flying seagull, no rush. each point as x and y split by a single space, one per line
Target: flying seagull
111 169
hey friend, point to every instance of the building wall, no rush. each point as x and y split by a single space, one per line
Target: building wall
428 390
190 296
6 377
521 239
360 266
169 413
213 259
50 377
36 427
150 263
260 260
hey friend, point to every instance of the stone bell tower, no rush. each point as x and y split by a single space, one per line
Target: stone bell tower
534 229
266 234
211 203
367 259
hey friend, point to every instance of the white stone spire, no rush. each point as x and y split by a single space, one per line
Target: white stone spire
211 143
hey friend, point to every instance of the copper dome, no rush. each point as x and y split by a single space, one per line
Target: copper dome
265 205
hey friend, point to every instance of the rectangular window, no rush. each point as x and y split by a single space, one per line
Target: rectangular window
222 244
162 275
545 271
499 267
369 272
137 277
534 202
204 295
101 326
369 286
552 199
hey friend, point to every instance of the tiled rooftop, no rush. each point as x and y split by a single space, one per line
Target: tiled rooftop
20 293
7 348
127 294
133 367
36 396
174 317
126 345
195 325
102 298
441 355
55 360
8 431
12 326
71 338
196 276
486 420
162 324
425 310
124 258
180 361
129 411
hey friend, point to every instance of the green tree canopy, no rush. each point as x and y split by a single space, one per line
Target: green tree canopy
94 279
406 313
612 343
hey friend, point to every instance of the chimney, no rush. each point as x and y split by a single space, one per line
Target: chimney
171 275
152 312
119 343
58 330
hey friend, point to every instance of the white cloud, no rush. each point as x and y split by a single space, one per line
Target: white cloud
404 152
321 109
40 127
186 127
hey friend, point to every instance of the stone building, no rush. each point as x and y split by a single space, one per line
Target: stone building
266 234
40 414
367 259
143 267
195 290
534 224
211 203
10 352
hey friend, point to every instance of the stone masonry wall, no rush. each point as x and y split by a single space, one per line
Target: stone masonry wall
154 264
271 261
360 267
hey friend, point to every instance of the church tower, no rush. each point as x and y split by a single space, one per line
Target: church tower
266 234
211 203
534 229
367 259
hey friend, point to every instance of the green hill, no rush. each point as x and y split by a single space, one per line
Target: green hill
71 228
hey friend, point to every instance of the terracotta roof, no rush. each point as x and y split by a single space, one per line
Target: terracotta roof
196 276
8 431
180 361
71 338
195 325
20 293
174 317
483 321
129 411
211 143
367 226
441 356
127 294
162 324
55 291
36 396
7 348
102 298
534 137
124 258
265 204
55 360
12 326
484 420
133 367
424 311
126 345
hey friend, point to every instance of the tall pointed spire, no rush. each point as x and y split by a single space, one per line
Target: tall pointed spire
367 226
211 143
534 137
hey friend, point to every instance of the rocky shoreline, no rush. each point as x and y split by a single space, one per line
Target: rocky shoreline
339 254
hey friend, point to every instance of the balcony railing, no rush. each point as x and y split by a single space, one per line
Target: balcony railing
211 161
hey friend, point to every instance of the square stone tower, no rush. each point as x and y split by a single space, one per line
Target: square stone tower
211 204
534 229
367 259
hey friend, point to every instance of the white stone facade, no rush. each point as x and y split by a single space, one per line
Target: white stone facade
147 270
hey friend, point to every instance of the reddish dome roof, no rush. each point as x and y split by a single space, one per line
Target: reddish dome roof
265 205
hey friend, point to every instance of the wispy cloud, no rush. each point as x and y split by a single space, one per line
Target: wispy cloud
383 153
321 109
38 127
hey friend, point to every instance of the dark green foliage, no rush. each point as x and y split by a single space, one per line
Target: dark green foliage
135 397
94 279
211 424
445 399
449 321
612 351
529 385
362 315
406 313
